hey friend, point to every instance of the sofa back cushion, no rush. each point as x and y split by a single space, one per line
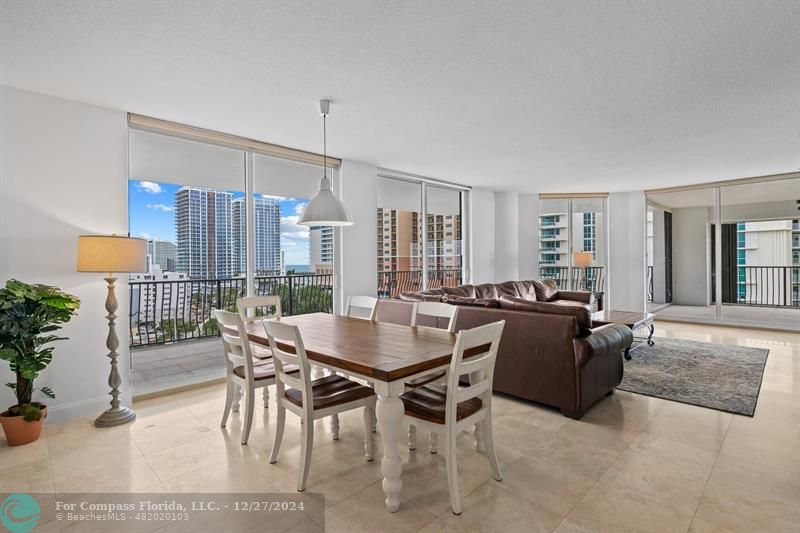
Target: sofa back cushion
486 290
507 288
431 295
526 290
466 291
546 289
582 315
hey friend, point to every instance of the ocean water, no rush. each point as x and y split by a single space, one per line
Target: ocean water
299 268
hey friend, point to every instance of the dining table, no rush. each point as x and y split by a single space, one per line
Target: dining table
385 355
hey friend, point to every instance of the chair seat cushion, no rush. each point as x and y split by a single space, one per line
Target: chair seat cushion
264 370
332 390
424 380
428 403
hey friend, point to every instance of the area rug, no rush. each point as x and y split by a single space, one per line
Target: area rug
718 376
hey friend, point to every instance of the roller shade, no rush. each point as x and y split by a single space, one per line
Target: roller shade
165 159
290 179
587 205
443 201
399 194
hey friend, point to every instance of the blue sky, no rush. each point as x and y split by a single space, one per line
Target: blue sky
152 216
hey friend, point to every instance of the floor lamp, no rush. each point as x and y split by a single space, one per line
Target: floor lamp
112 254
583 260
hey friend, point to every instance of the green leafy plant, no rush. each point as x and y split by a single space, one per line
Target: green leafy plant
29 314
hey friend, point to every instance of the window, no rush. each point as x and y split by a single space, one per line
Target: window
417 249
570 225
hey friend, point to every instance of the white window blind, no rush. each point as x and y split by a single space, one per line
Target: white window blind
399 194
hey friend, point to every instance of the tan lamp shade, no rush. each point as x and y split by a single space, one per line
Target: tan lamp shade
111 253
582 259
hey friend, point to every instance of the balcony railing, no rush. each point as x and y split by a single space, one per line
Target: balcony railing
770 286
594 277
169 311
392 283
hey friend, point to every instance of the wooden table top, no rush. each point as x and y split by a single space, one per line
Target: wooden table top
387 352
632 319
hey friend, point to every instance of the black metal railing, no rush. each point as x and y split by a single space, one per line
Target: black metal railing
392 283
170 311
770 286
594 277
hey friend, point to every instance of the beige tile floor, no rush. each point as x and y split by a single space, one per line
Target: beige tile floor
632 464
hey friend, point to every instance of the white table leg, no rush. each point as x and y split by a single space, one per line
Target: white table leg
390 419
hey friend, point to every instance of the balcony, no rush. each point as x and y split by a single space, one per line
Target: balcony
392 283
173 334
561 274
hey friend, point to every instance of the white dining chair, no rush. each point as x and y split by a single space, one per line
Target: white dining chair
361 307
243 375
435 310
311 400
253 309
449 409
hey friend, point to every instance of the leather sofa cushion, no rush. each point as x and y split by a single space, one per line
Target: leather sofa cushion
466 291
546 289
486 290
507 288
431 295
474 302
582 315
526 290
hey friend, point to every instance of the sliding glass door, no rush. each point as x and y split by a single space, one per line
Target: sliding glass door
420 236
726 253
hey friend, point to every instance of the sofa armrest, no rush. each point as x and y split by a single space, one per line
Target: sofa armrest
609 339
586 297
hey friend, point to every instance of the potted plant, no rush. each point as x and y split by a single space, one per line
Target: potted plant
29 314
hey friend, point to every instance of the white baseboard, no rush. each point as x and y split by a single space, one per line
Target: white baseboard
82 408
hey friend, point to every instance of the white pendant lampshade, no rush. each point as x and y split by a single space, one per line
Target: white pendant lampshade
325 209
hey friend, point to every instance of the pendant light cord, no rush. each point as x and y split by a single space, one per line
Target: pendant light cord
325 145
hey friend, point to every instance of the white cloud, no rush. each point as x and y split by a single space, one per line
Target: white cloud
290 229
150 187
279 198
144 235
160 207
299 207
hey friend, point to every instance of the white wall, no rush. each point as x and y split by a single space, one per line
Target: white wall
506 236
482 249
690 256
63 172
356 248
626 258
528 236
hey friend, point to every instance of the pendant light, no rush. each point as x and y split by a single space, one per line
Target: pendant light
325 209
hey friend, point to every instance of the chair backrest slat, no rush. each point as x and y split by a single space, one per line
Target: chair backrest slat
354 303
393 312
235 343
287 334
437 310
480 367
249 307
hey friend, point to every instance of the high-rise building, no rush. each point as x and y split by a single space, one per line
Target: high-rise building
321 249
554 236
162 254
444 242
398 241
762 248
267 224
204 230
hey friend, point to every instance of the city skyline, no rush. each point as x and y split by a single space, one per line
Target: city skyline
152 217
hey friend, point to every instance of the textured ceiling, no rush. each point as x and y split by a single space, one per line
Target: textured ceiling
516 95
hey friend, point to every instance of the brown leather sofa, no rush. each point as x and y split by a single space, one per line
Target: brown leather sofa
550 353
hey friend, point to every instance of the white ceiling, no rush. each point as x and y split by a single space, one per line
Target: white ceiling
518 95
